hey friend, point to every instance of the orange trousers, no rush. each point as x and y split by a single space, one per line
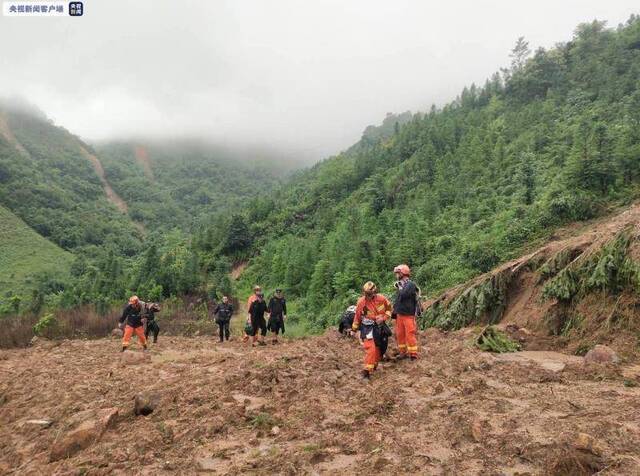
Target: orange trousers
128 332
372 355
406 334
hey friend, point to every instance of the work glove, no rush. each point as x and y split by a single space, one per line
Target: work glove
120 325
397 285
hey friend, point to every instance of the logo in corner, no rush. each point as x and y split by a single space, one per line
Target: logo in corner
76 9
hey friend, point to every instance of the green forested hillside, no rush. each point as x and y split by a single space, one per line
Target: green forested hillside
182 183
25 257
555 138
47 181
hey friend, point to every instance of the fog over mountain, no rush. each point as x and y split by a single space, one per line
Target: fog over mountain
304 78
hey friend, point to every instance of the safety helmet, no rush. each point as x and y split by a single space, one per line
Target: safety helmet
134 300
403 269
369 287
257 289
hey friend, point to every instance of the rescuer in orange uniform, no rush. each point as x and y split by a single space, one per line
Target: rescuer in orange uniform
372 311
405 310
133 315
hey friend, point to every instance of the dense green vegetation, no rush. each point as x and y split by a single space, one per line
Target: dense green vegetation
552 139
55 189
181 184
24 257
555 138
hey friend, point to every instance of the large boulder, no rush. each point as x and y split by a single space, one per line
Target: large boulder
83 435
601 354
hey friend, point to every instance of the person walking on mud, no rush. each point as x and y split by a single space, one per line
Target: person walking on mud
132 314
256 311
151 326
223 311
277 315
253 297
372 312
405 309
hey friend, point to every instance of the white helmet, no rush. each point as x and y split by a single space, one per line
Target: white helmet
351 309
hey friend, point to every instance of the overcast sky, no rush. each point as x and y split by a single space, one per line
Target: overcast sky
306 76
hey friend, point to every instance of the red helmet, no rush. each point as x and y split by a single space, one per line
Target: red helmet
403 269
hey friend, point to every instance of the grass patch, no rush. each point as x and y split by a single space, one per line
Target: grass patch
493 340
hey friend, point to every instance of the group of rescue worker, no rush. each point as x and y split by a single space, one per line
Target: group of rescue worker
257 326
368 319
371 316
138 317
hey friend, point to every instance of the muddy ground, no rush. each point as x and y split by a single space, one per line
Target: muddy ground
301 408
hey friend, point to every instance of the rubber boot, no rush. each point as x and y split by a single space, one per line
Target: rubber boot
124 347
366 374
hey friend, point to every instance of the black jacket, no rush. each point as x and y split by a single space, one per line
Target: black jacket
257 310
278 306
346 321
224 312
406 299
132 315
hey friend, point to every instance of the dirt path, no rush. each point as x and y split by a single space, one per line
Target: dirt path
300 408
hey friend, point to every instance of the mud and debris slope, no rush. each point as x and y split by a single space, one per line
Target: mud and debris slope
192 405
581 288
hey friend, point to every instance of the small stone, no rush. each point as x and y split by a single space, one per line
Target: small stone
275 431
601 354
41 423
475 429
145 403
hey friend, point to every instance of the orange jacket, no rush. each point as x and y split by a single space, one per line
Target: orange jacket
252 298
377 306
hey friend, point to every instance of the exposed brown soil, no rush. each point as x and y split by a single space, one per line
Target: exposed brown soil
6 132
111 194
611 320
301 408
237 270
142 156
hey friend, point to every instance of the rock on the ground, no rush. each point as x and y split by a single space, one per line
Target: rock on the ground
117 332
601 354
43 423
145 403
83 435
587 443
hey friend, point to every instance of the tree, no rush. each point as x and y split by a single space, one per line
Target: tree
519 54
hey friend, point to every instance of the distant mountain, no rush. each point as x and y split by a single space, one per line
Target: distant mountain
182 183
54 182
